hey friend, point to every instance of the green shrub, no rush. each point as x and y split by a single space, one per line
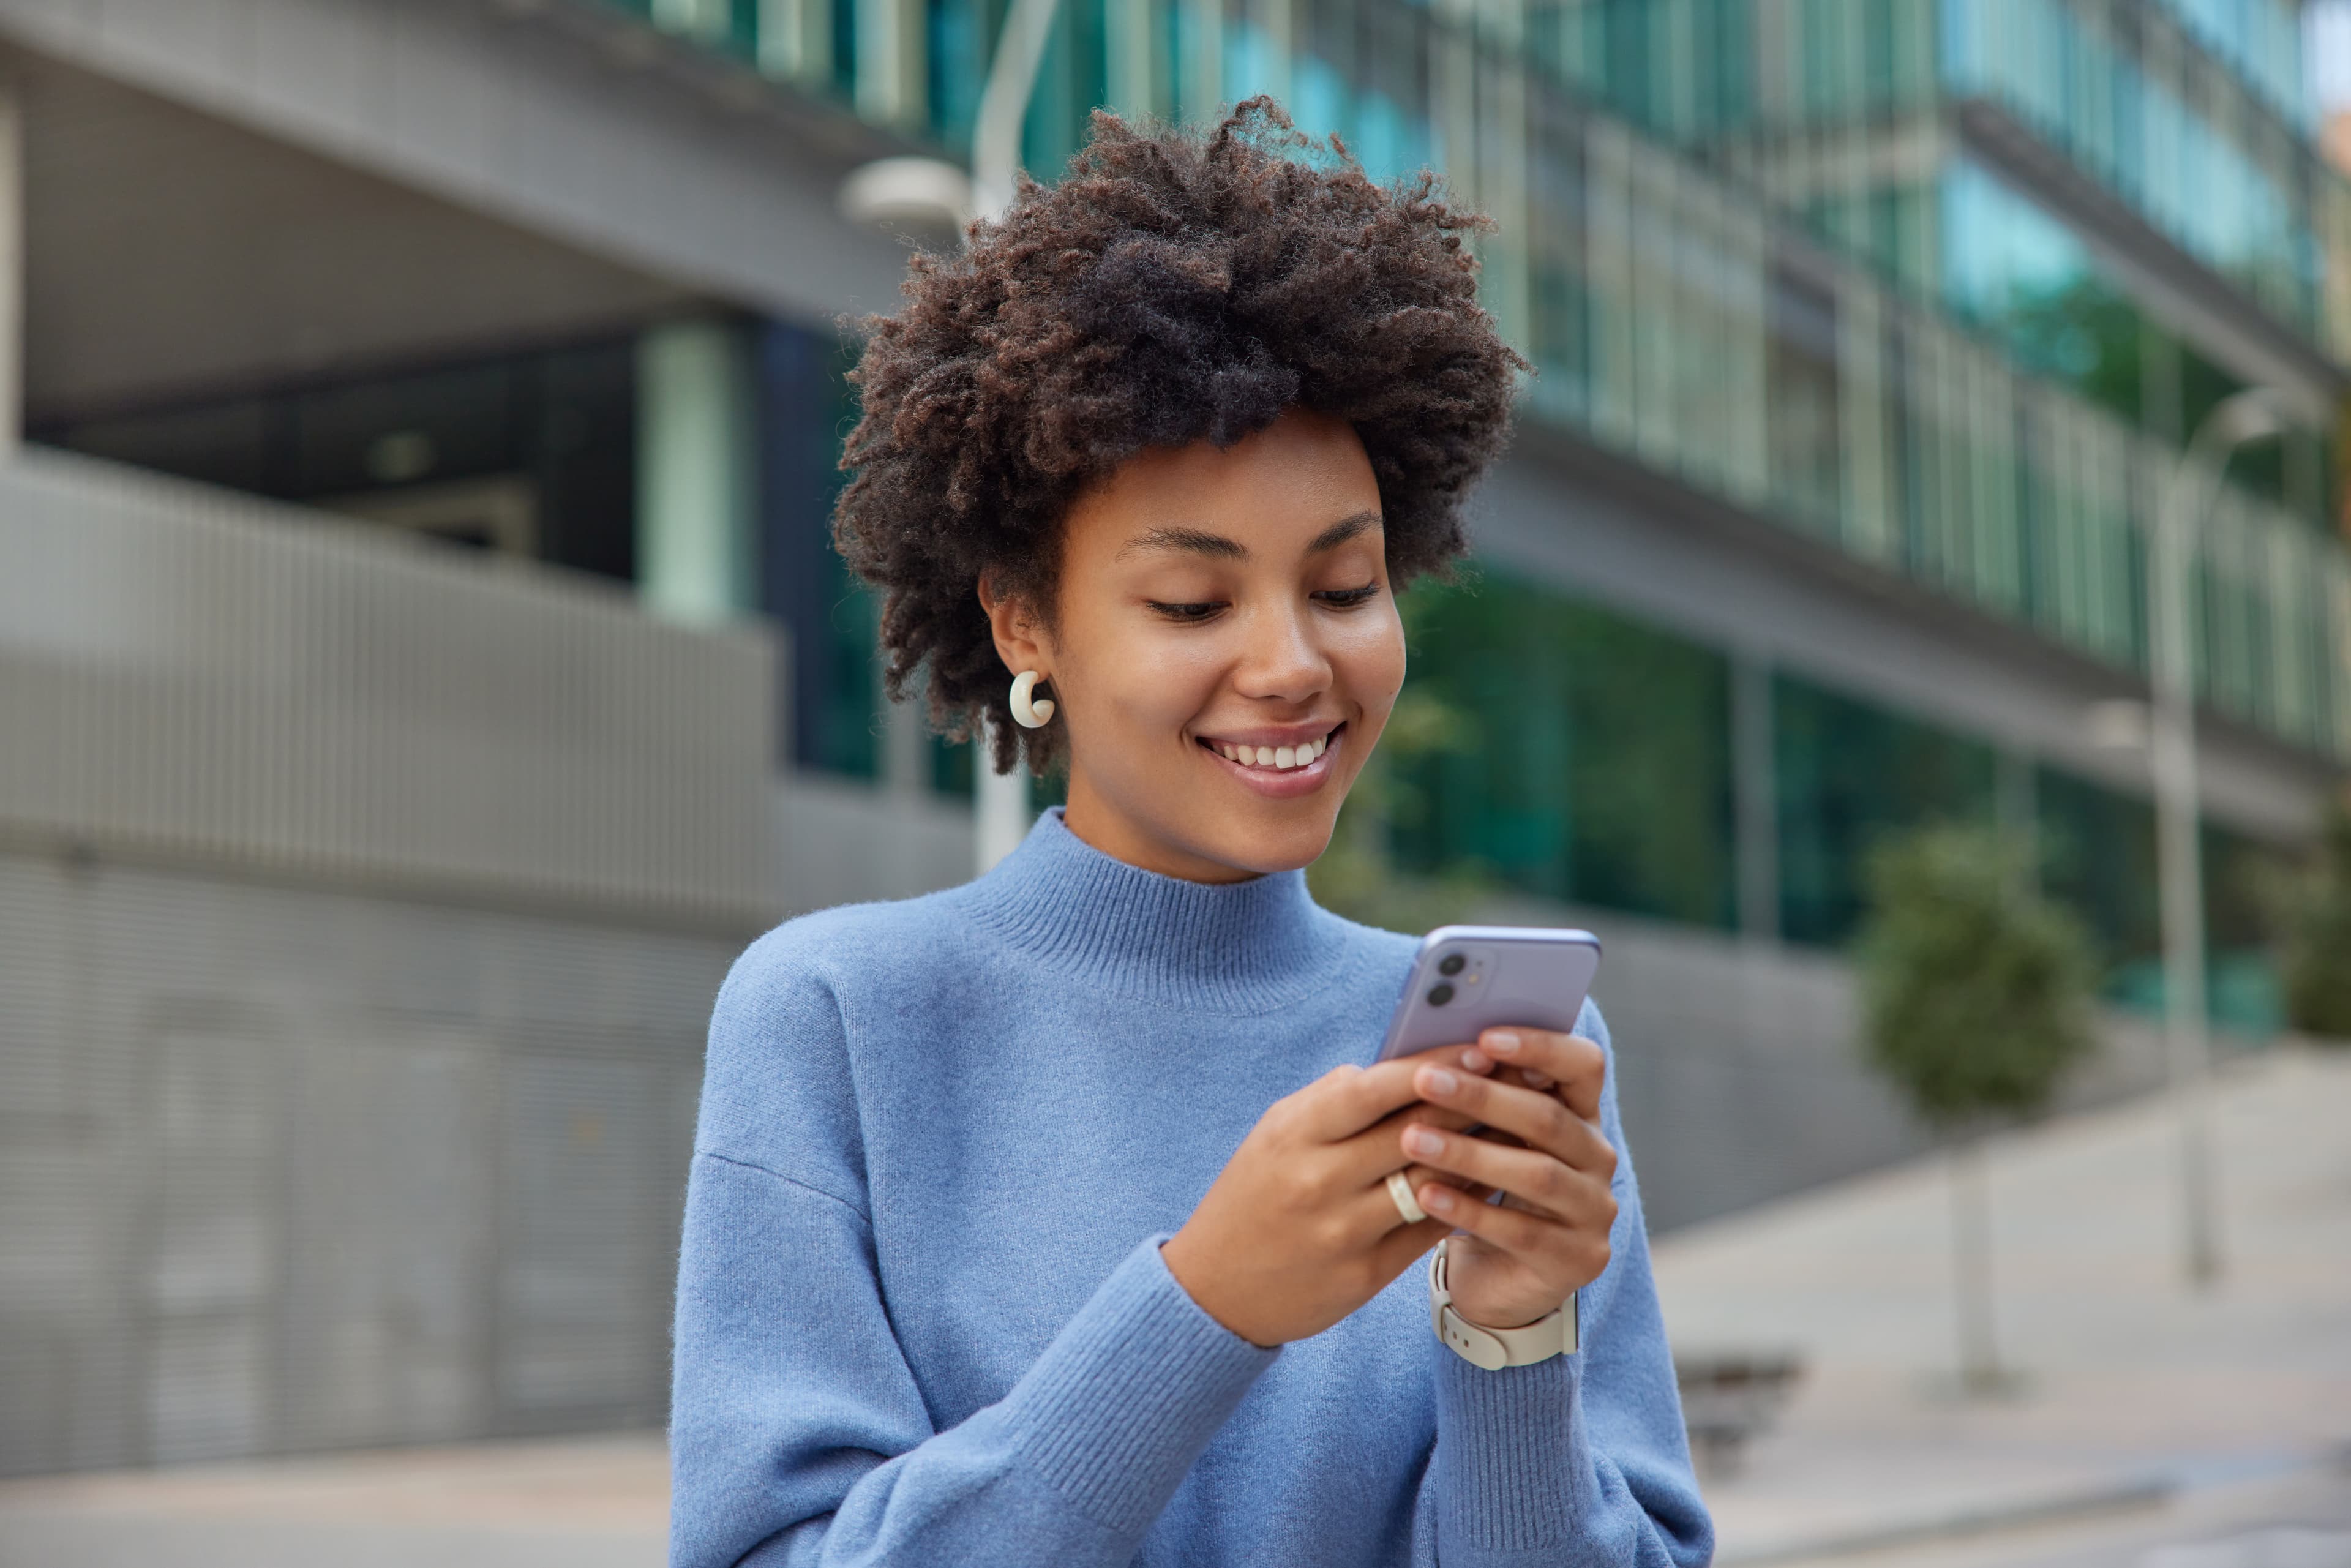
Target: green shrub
1976 989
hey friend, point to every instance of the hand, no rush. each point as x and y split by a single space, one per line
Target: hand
1298 1229
1541 1148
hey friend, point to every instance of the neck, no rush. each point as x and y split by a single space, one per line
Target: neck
1120 928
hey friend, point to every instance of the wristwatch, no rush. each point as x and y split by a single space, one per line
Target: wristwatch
1495 1349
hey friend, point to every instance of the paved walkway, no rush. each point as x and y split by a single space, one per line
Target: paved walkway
2153 1427
2133 1391
600 1502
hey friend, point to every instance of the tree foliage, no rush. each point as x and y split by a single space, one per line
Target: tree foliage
1357 876
1976 989
2318 951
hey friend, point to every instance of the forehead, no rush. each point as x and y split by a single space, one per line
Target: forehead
1297 476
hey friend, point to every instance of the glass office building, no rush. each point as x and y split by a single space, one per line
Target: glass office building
1917 298
1938 288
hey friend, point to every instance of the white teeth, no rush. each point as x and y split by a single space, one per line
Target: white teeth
1281 758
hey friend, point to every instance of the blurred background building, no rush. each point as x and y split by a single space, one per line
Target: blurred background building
422 665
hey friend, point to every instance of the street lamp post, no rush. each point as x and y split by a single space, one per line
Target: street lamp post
1001 799
2179 515
930 191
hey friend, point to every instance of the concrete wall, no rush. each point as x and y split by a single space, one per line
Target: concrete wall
362 905
844 843
286 1167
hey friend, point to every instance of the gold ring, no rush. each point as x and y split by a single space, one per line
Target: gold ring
1400 1189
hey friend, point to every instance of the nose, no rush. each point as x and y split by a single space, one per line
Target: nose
1283 660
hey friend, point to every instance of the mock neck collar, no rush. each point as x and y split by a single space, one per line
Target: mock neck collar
1239 947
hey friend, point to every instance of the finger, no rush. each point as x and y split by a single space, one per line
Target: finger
1578 1067
1572 1252
1420 1113
1364 1162
1522 1231
1540 1120
1374 1212
1394 1252
1346 1100
1372 1154
1537 1179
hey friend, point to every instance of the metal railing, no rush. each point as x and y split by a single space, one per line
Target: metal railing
2140 104
1675 326
190 672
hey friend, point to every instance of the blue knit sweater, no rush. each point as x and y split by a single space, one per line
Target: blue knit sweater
921 1316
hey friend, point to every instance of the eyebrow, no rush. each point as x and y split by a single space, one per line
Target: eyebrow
1188 541
1199 541
1342 530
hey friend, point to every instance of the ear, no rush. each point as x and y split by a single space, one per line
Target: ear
1020 641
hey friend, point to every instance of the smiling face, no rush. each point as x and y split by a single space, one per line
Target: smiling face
1223 649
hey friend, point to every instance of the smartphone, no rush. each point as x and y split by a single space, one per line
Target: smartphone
1468 979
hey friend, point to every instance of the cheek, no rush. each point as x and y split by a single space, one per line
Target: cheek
1137 688
1368 661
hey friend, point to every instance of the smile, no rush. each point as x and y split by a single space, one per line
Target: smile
1278 765
1276 758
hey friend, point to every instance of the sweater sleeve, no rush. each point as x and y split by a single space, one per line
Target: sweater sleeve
798 1432
1581 1460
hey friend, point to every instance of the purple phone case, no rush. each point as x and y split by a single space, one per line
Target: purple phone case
1524 974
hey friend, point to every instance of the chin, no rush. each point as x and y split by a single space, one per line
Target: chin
1265 848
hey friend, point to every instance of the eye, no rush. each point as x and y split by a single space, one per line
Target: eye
1185 614
1348 598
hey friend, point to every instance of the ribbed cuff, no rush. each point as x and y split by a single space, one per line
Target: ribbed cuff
1511 1448
1114 1412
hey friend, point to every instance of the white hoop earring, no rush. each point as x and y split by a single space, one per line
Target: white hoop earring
1026 712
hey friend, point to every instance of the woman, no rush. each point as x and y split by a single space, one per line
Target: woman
1049 1220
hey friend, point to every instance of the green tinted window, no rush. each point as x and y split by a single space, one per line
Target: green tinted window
1593 761
952 765
1848 772
2243 882
2098 854
806 410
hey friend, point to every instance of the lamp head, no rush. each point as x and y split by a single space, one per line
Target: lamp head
2249 415
927 199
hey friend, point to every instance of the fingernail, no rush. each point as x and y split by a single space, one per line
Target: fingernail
1437 1198
1421 1141
1440 1082
1474 1060
1501 1042
1538 1080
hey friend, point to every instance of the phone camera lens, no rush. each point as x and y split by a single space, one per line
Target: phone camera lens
1439 994
1451 963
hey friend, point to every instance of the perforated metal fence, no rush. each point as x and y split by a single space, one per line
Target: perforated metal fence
187 671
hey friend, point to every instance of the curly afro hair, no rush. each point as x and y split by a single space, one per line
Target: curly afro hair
1175 287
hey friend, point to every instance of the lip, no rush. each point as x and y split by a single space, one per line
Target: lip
1286 786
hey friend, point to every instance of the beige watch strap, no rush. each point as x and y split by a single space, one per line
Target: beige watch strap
1495 1349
